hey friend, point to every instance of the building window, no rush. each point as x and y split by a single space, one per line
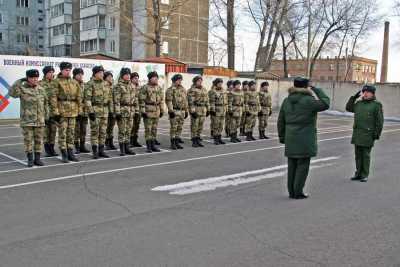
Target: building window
1 37
331 67
89 46
165 23
40 37
1 18
112 23
86 3
111 2
57 10
22 38
112 46
23 3
40 19
164 48
93 22
22 20
40 11
40 1
165 2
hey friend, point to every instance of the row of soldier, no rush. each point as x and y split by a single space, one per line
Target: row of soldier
66 105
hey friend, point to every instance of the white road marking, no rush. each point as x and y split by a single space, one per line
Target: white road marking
227 180
13 144
12 158
9 137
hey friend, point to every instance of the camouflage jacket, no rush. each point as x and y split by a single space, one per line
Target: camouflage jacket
125 101
82 88
151 100
218 101
235 103
98 98
251 102
67 99
198 100
265 102
176 100
48 86
33 103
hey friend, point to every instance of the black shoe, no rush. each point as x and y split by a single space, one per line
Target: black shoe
30 159
156 142
135 142
153 146
216 140
178 146
83 148
233 139
95 152
122 149
102 154
364 180
173 144
261 135
71 155
107 143
77 148
237 139
53 152
131 141
38 161
64 156
128 151
199 142
248 137
301 196
194 142
148 146
111 145
356 178
220 140
252 137
47 150
180 141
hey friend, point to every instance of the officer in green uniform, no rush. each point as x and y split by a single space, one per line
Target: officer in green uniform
368 126
297 129
136 117
98 105
176 101
235 110
266 109
109 81
50 130
218 107
198 108
65 105
34 114
151 102
229 86
125 104
251 110
245 89
82 119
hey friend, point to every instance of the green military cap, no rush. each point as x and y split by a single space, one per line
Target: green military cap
301 82
369 88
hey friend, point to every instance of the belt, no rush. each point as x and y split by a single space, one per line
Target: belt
69 100
127 105
178 108
200 105
100 104
237 105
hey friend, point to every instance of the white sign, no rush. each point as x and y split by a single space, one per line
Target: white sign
14 67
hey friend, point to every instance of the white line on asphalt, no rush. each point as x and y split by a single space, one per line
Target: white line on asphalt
13 144
226 180
9 137
12 158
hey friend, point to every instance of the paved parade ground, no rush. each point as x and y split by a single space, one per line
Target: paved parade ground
213 206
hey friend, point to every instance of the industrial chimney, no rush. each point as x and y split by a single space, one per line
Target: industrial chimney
385 54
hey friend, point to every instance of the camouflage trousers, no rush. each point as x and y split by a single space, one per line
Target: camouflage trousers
150 128
227 123
217 125
66 133
80 129
250 123
50 132
98 131
262 122
124 129
135 125
197 125
110 126
234 124
33 138
176 126
243 122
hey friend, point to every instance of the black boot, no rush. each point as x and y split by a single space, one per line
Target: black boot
148 146
178 146
38 161
71 155
107 143
233 138
29 156
102 154
131 141
135 142
194 142
156 142
77 148
248 137
83 148
53 152
173 144
153 146
128 151
122 149
216 140
199 142
47 149
220 140
261 134
64 156
180 141
95 152
252 137
110 144
237 139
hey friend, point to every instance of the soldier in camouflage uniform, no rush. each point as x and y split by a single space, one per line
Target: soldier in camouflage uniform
235 110
109 80
266 109
176 101
98 104
125 105
218 107
34 114
245 89
65 105
198 108
50 130
229 86
251 110
151 102
136 117
82 119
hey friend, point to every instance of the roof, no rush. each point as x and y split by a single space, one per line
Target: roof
162 60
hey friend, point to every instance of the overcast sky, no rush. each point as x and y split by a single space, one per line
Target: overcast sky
371 48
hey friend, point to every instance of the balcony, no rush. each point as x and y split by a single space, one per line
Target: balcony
93 10
61 40
66 19
99 33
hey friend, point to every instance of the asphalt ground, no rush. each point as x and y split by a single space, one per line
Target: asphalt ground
213 206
